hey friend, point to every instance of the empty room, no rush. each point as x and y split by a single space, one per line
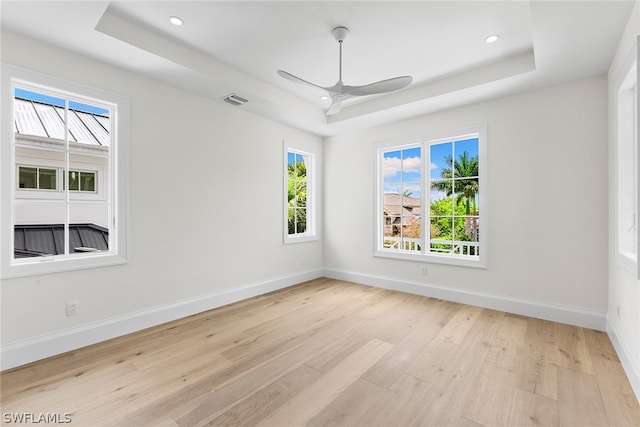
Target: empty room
300 213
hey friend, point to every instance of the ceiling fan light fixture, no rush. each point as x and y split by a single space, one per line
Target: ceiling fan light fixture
176 20
492 38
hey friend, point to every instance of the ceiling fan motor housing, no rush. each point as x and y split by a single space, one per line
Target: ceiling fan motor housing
340 33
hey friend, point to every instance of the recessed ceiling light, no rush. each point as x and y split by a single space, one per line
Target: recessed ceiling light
324 97
176 21
492 38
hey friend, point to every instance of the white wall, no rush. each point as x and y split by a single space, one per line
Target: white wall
547 152
624 287
206 209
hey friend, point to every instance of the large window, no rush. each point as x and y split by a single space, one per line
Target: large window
431 199
300 221
64 164
626 191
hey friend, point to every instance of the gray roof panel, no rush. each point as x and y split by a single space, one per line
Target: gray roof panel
27 121
53 122
47 121
42 240
96 129
79 131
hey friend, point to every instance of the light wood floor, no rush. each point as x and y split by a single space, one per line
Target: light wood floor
335 353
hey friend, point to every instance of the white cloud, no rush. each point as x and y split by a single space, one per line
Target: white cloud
393 165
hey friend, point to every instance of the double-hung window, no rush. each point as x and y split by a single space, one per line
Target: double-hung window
299 196
431 198
64 175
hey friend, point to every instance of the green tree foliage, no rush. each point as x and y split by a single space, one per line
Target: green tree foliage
297 197
465 166
450 216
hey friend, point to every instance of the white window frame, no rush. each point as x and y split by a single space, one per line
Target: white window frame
37 189
311 233
627 186
424 255
12 76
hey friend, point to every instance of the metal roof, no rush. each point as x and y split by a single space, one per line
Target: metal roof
48 239
47 121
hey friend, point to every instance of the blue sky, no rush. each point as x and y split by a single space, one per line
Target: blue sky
295 157
402 171
51 100
402 167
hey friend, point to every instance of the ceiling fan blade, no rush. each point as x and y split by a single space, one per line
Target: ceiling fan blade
336 105
382 86
295 79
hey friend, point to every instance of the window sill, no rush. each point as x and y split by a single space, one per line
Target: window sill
476 262
629 260
300 239
56 264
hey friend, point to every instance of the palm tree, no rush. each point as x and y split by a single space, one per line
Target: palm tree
465 166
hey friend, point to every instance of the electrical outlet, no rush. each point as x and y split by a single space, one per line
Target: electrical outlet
424 271
72 308
618 310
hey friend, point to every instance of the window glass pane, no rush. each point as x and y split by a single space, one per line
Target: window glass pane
87 181
47 179
454 196
35 116
297 189
85 125
27 177
466 158
442 198
301 220
74 180
291 220
402 199
440 156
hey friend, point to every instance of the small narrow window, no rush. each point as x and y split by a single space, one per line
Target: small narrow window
34 178
299 196
627 165
27 178
82 181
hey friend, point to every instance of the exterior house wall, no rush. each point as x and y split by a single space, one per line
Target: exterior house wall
36 206
624 287
205 223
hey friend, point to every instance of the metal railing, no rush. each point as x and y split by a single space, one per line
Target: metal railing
449 247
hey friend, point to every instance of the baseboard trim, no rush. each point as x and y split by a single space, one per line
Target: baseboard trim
630 364
541 310
30 350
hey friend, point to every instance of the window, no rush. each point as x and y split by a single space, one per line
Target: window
52 220
37 178
82 181
626 183
299 190
431 199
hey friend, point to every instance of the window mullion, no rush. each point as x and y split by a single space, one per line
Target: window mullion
66 166
425 198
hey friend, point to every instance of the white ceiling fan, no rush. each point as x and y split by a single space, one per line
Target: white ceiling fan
339 92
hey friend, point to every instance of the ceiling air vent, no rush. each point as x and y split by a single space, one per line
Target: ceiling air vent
234 99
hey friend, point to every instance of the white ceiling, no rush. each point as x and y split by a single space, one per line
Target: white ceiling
237 46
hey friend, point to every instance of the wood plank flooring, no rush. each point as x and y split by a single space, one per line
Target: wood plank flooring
333 353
